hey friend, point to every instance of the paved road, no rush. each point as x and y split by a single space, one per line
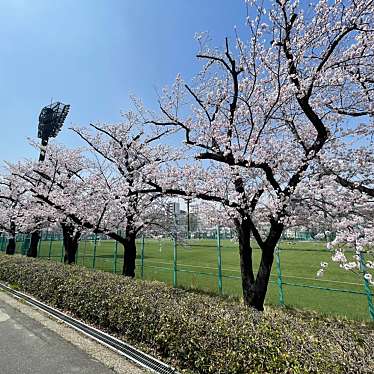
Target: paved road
26 346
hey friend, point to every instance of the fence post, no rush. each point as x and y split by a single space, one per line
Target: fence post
50 246
219 258
142 258
115 256
174 261
84 251
3 243
279 280
62 250
77 253
24 245
367 287
94 253
23 249
39 244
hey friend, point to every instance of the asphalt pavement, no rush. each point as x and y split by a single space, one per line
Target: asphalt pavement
26 346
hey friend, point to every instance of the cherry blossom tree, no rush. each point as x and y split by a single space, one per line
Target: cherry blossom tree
52 184
18 209
99 191
127 156
348 164
346 213
11 209
262 114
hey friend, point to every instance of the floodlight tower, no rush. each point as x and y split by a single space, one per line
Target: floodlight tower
51 119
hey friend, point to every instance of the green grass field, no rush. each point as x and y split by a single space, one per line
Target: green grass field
197 269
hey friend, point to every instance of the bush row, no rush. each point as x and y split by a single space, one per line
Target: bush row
196 333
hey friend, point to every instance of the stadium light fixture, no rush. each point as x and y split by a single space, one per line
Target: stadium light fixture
51 119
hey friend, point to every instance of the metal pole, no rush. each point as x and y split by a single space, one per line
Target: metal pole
188 219
50 246
43 148
279 279
84 251
62 251
174 261
142 258
24 243
35 235
94 253
115 256
367 287
48 127
40 243
77 254
219 259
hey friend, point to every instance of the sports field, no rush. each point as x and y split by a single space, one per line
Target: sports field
197 268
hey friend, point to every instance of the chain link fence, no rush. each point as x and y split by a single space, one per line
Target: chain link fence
212 265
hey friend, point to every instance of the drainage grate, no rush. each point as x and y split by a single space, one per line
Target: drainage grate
111 342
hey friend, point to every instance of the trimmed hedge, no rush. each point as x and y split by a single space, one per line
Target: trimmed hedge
196 333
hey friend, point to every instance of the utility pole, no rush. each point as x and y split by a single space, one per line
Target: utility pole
188 219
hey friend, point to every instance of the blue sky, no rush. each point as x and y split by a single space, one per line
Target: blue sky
92 54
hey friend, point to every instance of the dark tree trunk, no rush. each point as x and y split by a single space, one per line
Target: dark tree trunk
71 242
71 248
246 265
254 289
262 279
34 242
11 247
129 258
267 258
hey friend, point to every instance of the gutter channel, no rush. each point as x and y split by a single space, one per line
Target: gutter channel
133 354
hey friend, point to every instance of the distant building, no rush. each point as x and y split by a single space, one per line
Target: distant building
174 212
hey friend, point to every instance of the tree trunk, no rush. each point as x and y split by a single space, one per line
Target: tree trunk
246 265
254 289
71 251
11 247
129 258
262 279
71 242
264 270
34 241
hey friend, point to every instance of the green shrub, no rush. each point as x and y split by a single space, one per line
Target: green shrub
196 333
